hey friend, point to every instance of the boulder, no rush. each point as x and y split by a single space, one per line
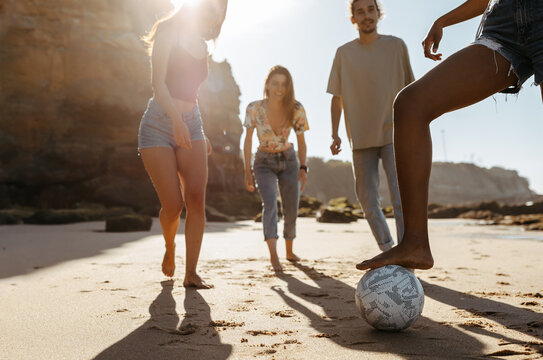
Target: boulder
69 216
215 215
337 215
128 223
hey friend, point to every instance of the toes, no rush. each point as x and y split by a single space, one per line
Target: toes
361 266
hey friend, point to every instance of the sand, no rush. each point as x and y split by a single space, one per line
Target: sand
76 292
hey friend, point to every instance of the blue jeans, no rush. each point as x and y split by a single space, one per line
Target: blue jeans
366 172
514 29
271 169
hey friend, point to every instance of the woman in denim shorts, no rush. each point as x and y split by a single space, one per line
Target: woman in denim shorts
275 161
508 50
171 139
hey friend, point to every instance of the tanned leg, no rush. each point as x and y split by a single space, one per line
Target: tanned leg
274 259
192 166
161 165
463 79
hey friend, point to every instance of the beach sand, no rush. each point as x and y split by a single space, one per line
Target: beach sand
76 292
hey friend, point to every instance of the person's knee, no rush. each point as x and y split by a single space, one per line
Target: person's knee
404 103
412 104
171 211
195 200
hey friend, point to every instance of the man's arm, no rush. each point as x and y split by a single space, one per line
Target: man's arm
336 110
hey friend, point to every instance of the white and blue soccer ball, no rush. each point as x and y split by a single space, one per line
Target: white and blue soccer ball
390 298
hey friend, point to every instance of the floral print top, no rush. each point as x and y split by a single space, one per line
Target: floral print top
269 140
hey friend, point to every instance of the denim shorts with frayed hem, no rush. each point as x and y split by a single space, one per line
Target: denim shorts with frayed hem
156 128
514 29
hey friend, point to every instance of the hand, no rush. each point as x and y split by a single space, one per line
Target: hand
432 40
302 177
336 146
209 147
181 135
249 183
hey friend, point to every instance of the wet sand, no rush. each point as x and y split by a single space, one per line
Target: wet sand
76 292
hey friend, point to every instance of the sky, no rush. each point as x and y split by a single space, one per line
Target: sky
303 35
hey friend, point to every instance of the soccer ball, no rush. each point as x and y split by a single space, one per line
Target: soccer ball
390 298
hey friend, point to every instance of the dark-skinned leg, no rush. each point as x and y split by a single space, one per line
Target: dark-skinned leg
463 79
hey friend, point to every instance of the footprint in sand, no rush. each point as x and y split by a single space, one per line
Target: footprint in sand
284 313
323 335
225 324
261 332
476 324
536 295
267 352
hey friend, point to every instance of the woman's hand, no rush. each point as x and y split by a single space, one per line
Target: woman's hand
181 135
302 177
432 40
209 147
249 183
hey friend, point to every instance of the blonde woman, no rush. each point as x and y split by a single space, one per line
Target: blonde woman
275 161
171 139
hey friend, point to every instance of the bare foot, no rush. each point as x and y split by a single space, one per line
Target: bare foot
195 281
292 257
276 264
419 257
168 263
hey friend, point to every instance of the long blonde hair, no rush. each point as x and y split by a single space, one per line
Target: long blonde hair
174 19
289 100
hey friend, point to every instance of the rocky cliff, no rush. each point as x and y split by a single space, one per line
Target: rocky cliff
450 183
74 83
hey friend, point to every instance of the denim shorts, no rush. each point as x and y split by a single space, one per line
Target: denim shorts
514 28
156 128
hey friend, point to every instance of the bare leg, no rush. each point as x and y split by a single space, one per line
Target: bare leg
161 165
291 256
192 165
272 246
465 78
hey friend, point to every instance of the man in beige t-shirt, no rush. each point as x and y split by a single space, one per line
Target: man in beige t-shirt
366 76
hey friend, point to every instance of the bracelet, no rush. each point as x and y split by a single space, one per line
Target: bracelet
304 168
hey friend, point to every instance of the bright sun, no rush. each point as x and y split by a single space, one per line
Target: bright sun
244 15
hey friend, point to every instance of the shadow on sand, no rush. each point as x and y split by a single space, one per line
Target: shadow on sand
162 337
26 248
425 339
522 320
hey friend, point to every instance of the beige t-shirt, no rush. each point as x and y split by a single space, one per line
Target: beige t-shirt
368 78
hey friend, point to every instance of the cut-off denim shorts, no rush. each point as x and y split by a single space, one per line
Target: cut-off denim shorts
156 128
514 29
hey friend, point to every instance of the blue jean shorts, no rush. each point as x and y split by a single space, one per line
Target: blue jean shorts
514 28
156 128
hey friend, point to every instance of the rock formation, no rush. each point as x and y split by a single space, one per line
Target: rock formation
450 183
75 80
